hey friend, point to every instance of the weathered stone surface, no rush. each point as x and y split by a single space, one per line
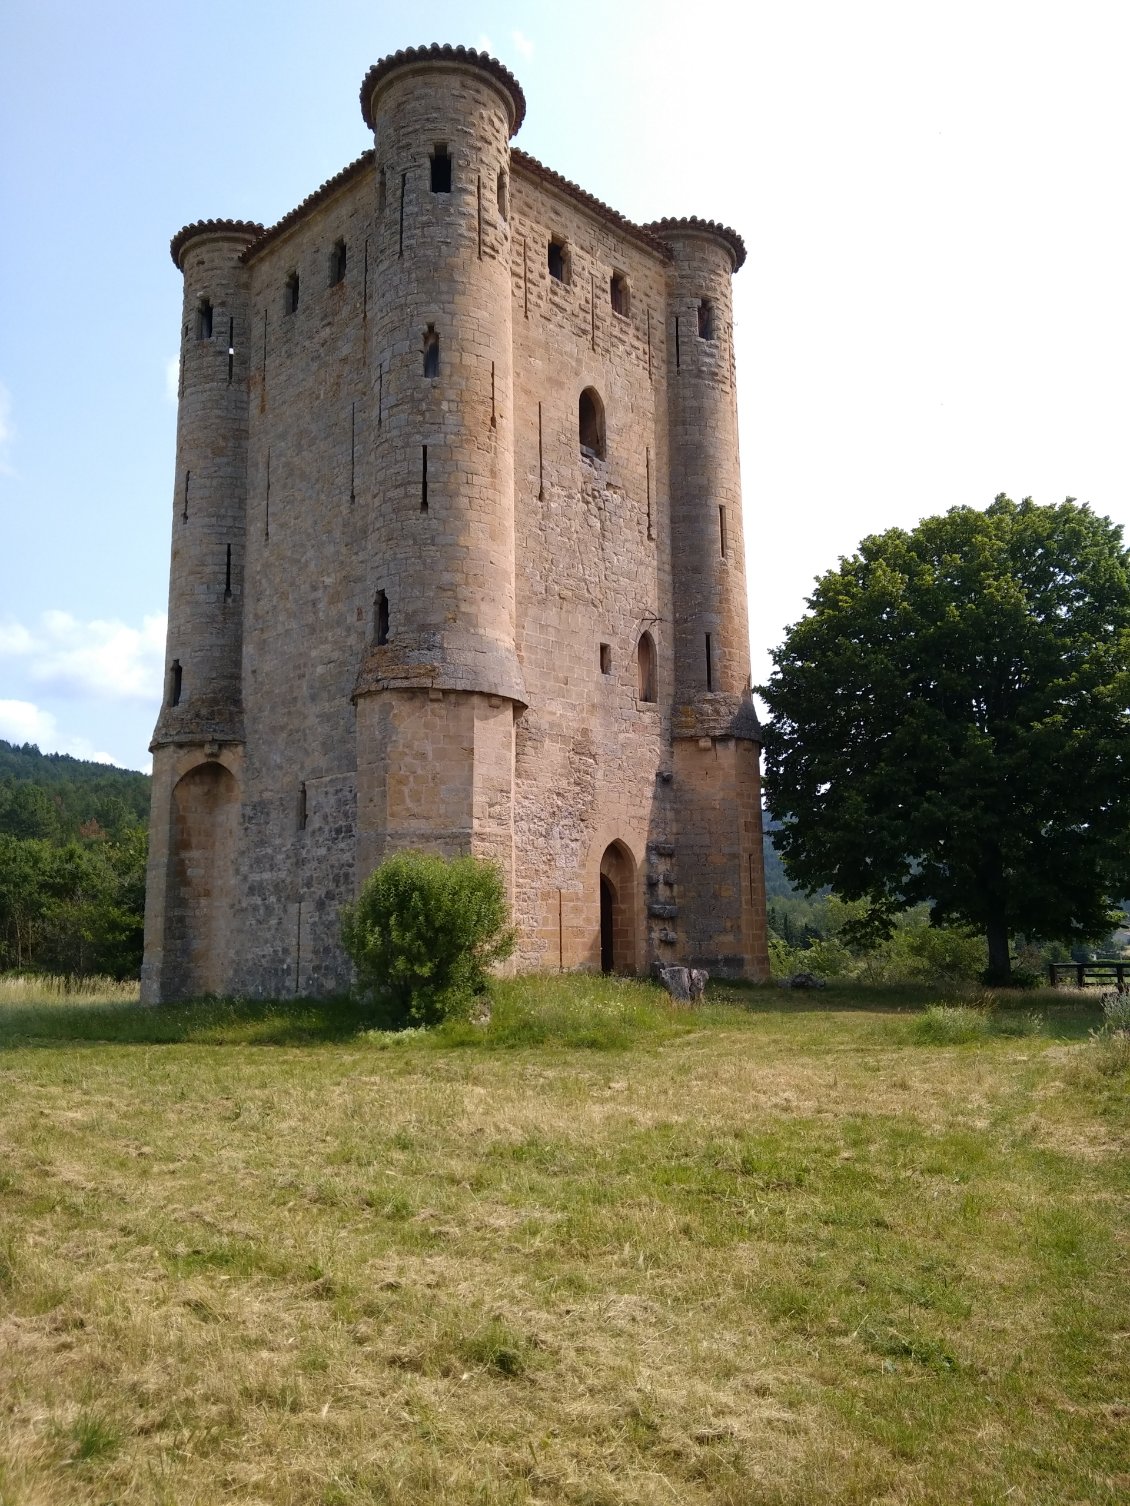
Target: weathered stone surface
677 982
374 665
687 985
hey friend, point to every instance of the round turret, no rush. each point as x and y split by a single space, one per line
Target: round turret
441 542
707 546
202 698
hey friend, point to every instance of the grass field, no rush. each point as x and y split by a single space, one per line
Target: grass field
843 1249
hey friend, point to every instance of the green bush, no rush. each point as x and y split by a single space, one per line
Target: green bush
423 934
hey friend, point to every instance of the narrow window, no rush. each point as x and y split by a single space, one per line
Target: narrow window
620 296
231 350
302 806
424 480
403 191
380 619
645 661
705 319
441 168
722 530
290 298
204 320
709 665
503 191
431 352
382 191
590 416
558 261
676 342
227 577
174 683
606 658
337 264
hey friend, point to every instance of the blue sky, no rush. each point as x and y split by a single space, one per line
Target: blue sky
935 306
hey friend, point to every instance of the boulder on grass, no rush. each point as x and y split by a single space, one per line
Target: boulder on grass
685 984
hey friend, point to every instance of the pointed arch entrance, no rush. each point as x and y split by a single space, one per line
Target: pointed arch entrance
201 884
617 910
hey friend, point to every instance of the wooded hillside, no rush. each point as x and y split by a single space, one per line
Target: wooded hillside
73 846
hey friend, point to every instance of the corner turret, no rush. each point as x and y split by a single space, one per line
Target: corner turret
714 729
202 700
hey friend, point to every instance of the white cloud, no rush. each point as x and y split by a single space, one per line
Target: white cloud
522 43
7 431
24 722
172 379
103 658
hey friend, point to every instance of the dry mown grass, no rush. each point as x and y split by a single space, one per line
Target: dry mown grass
776 1254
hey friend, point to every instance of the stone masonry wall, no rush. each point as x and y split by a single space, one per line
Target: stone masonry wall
594 568
502 712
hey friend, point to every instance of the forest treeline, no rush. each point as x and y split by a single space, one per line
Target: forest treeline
73 847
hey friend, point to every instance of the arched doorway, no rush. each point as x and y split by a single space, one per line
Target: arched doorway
607 938
201 885
617 910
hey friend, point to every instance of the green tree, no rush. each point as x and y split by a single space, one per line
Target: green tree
950 723
424 932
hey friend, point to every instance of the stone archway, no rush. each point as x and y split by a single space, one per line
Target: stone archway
617 910
200 895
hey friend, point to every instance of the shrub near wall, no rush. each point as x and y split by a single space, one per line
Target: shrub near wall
424 933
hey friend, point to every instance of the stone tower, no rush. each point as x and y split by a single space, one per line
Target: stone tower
457 562
439 688
714 727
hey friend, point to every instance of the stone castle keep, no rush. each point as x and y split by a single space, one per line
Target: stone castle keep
457 563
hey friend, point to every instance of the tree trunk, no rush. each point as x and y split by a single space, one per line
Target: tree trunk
1000 964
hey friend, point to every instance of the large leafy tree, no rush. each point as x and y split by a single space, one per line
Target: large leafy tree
951 722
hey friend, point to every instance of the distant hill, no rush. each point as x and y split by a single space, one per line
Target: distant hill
57 797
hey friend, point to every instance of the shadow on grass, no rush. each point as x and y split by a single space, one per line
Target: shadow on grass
575 1010
201 1022
1065 1014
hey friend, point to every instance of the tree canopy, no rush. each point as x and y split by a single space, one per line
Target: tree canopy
951 723
72 863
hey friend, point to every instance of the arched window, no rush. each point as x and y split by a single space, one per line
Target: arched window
590 417
620 295
337 263
646 663
204 320
382 191
290 295
380 619
503 195
705 319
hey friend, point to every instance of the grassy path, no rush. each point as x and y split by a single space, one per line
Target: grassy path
775 1254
